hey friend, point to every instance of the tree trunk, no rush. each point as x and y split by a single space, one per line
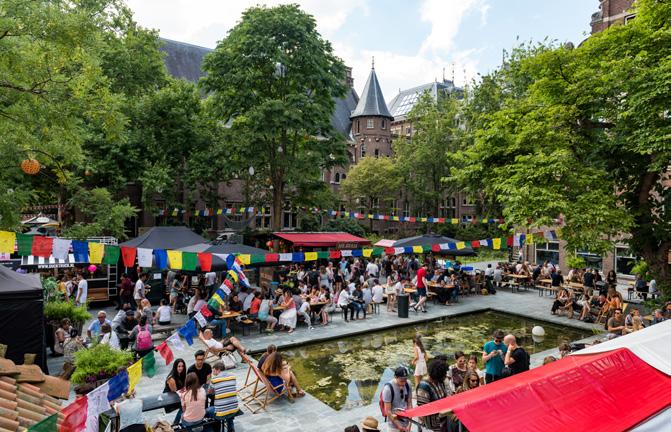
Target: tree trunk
657 259
278 195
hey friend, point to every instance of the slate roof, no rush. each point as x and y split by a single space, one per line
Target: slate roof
372 100
183 60
405 100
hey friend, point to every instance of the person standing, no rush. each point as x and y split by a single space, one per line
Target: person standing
517 359
397 396
432 389
493 354
420 358
138 292
82 290
126 292
421 289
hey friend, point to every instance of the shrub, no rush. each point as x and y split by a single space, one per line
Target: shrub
576 262
99 362
57 310
640 268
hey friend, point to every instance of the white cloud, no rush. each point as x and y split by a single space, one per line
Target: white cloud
445 17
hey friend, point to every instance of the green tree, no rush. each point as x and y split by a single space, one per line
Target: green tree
423 159
104 215
273 79
582 133
372 181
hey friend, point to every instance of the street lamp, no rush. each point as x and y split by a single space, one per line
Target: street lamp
251 171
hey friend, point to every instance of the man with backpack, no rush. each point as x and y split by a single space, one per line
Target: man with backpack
396 396
517 359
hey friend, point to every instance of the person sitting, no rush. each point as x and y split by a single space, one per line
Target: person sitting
235 304
616 325
657 317
269 350
288 317
226 345
192 398
62 333
597 306
202 369
432 389
175 382
266 313
108 337
125 328
93 331
614 300
549 359
357 303
630 318
223 388
561 301
344 302
141 335
164 313
280 375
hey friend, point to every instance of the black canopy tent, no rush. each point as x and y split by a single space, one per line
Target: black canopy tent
218 263
164 237
428 240
22 316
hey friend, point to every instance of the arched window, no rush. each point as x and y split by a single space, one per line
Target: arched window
337 178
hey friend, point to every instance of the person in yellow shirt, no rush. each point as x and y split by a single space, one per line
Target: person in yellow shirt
62 289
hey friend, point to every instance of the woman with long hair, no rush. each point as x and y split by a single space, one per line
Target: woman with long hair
432 389
289 316
192 398
174 382
279 374
457 372
420 358
471 380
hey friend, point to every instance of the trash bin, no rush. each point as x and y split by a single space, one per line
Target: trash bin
403 305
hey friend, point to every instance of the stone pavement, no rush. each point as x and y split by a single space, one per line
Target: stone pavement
310 414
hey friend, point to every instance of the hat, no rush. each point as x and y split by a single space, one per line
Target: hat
401 372
369 424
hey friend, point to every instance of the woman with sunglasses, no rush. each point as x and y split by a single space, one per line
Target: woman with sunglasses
471 380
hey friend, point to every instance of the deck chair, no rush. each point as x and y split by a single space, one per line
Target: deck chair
261 392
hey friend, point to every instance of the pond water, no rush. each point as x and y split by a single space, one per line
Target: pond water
350 372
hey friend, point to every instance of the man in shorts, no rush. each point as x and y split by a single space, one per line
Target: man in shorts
227 344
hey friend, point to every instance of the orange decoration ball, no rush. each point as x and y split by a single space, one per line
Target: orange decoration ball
30 166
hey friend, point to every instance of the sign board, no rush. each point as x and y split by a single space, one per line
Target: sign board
347 245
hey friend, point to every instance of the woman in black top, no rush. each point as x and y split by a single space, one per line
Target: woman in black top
176 378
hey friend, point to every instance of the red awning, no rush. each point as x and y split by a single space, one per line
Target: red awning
611 391
326 239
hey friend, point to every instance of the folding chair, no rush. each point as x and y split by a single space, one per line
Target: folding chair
262 392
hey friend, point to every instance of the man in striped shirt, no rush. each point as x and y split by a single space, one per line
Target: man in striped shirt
225 391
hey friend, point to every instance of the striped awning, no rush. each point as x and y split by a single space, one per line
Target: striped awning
46 263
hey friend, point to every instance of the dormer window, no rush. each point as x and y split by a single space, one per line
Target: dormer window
370 124
383 124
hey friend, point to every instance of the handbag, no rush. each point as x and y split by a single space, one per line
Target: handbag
229 361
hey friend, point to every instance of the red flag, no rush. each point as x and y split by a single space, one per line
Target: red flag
272 257
389 251
412 219
205 311
509 241
441 220
42 246
475 244
205 261
128 255
165 352
335 254
74 416
228 282
435 248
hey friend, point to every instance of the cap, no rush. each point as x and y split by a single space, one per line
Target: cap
401 372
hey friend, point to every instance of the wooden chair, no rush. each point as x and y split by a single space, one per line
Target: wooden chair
261 392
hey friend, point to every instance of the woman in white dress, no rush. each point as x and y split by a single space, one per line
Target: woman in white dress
289 316
420 359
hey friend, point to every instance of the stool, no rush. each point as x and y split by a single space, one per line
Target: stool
246 326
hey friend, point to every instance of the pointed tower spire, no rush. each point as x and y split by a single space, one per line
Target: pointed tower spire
373 63
372 101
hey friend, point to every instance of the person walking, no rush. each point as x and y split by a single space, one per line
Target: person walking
138 292
420 358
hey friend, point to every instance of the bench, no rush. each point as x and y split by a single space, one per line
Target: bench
160 332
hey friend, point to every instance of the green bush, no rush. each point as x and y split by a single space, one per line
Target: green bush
640 268
345 225
57 310
98 363
576 262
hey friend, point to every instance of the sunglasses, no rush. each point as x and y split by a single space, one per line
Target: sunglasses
474 381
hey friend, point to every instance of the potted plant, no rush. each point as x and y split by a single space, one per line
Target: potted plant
56 310
99 363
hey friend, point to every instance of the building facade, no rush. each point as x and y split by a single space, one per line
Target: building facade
612 12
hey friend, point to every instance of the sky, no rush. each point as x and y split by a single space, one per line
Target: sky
412 41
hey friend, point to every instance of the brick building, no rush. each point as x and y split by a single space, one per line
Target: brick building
612 12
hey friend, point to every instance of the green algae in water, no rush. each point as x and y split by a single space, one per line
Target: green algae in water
350 372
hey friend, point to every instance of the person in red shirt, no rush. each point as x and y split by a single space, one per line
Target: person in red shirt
255 306
421 289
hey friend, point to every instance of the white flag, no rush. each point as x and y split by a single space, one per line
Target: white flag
398 250
286 257
61 248
346 253
97 404
144 257
201 319
176 342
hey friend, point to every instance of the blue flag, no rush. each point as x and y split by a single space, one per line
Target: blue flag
298 257
81 251
118 385
357 252
189 331
161 258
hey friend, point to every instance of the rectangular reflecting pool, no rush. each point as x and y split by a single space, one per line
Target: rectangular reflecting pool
350 372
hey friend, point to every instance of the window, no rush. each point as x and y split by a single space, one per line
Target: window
370 124
629 18
406 209
454 202
358 126
393 208
289 219
336 179
263 217
624 260
467 218
383 124
363 150
377 152
592 260
343 177
547 252
408 130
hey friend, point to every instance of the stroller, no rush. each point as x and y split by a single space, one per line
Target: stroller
182 302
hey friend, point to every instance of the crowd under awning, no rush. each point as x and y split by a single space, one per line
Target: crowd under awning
605 388
338 240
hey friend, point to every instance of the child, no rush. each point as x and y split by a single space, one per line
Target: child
420 359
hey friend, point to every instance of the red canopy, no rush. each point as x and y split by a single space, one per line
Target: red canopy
325 239
611 391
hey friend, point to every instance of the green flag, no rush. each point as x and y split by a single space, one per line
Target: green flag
377 251
189 261
323 255
25 244
49 424
257 258
149 364
111 255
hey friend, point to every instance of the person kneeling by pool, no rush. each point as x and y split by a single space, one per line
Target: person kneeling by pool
227 344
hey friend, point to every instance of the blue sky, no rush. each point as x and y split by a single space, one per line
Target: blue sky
412 40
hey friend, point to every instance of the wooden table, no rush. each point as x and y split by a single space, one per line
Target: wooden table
545 281
409 290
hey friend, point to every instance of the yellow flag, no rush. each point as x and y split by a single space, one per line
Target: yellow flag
454 221
96 252
368 253
7 240
395 218
461 245
346 214
310 256
370 216
423 219
245 259
134 375
175 259
496 243
417 249
233 275
530 239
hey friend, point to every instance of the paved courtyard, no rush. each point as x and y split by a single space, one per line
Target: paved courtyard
310 414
